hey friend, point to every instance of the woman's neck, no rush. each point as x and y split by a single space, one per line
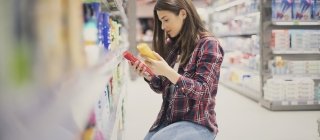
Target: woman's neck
174 39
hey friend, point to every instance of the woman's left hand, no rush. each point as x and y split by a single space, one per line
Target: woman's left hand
158 67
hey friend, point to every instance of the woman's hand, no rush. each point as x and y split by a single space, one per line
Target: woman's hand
140 69
161 67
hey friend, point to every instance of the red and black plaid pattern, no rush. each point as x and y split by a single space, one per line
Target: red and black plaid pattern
193 97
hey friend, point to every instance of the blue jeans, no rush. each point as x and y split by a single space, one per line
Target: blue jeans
183 130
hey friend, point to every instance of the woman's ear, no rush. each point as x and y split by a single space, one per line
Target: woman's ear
183 13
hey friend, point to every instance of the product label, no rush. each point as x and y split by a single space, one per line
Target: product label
282 10
302 9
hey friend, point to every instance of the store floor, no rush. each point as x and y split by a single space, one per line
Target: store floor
238 117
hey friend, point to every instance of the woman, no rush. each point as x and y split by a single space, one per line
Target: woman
188 76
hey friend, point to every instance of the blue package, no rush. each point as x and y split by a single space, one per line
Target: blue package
302 10
96 9
100 28
105 30
282 10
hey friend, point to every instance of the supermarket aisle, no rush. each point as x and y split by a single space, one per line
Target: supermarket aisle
238 117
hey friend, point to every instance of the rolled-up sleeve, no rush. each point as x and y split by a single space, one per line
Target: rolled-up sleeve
206 77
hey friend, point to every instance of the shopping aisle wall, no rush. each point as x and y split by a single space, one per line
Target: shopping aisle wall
238 117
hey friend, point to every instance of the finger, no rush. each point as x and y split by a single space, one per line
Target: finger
143 71
130 63
150 61
140 66
136 64
149 64
146 74
157 55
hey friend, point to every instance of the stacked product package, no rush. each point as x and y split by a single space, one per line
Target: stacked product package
278 66
295 10
317 92
295 39
294 89
280 39
305 39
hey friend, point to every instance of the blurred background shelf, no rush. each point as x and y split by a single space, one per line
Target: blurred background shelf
245 91
291 105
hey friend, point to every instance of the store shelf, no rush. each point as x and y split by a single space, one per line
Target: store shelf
248 15
113 58
243 68
114 117
295 51
290 105
293 23
238 34
116 9
90 94
228 5
237 17
251 94
290 76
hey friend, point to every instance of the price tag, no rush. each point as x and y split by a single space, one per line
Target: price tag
285 103
294 103
310 102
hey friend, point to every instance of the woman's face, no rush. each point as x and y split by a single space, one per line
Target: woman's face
171 23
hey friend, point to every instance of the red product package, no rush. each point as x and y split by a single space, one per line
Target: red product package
133 59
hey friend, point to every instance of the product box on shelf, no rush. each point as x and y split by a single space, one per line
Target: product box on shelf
316 10
292 89
313 39
302 10
297 67
306 89
273 90
282 10
297 39
278 66
317 92
280 39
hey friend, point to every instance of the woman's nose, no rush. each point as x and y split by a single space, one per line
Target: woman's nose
162 26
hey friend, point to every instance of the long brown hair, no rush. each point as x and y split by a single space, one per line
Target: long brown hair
190 33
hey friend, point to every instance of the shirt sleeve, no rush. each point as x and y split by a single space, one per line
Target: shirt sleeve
207 72
155 84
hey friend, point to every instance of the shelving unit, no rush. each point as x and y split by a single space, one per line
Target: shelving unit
296 51
241 66
236 67
108 114
296 23
291 54
223 5
287 54
48 89
245 91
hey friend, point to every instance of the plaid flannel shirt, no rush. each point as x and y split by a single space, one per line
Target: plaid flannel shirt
193 97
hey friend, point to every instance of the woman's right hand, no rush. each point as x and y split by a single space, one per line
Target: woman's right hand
140 69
